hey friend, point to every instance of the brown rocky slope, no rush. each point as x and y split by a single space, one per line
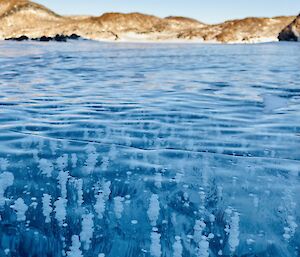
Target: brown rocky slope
291 32
25 18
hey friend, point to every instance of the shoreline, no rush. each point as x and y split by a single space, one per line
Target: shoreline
157 41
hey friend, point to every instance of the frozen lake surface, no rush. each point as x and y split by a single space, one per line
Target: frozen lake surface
132 150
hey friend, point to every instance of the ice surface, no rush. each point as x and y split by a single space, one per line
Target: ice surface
149 150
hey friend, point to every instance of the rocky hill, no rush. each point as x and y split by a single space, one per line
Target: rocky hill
22 18
291 32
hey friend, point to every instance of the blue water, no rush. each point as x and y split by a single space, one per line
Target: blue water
126 150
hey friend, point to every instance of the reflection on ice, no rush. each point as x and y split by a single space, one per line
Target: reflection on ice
272 103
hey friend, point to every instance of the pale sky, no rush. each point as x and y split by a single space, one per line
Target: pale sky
209 11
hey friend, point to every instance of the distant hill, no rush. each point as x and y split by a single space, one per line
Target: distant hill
10 7
24 18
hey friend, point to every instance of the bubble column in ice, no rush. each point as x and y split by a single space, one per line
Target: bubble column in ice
118 206
289 207
153 214
75 248
21 208
79 188
91 160
60 206
6 180
155 247
100 204
234 232
46 167
63 177
47 207
201 240
153 211
177 247
3 164
87 231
